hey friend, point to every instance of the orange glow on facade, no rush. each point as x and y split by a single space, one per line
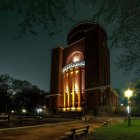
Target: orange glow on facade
76 71
80 72
74 85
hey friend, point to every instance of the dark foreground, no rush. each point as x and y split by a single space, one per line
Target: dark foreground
22 123
43 132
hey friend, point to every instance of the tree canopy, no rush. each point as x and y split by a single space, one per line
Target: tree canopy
17 94
123 17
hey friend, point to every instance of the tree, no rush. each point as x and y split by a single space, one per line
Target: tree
122 15
5 92
136 97
19 90
47 13
121 98
27 96
17 94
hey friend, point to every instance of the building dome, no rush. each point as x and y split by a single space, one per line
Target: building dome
78 31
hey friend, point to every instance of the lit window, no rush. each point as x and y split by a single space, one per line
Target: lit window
75 59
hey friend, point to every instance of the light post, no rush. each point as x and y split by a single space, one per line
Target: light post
128 93
24 111
39 110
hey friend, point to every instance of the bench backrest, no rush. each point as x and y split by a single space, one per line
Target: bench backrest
83 129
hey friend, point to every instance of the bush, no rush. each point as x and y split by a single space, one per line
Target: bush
135 111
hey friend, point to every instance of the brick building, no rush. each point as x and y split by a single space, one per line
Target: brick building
80 72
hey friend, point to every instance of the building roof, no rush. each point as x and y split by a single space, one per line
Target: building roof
78 31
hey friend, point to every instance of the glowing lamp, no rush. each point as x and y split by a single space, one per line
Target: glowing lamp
128 93
24 111
12 111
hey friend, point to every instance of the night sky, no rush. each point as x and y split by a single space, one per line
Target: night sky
29 58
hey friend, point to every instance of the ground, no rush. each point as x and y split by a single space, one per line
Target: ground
43 132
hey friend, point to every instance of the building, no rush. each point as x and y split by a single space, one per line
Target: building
80 73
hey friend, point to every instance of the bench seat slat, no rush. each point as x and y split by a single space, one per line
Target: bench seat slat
69 133
79 131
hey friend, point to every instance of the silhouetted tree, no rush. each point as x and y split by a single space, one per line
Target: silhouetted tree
17 94
5 92
27 96
136 89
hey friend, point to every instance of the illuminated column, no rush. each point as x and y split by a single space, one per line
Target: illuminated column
73 89
71 86
76 86
69 94
64 89
67 86
79 90
80 87
83 87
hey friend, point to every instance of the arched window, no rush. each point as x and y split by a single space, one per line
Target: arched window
75 57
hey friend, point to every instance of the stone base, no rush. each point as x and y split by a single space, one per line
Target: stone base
105 110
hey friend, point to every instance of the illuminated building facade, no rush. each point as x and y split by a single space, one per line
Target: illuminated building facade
80 72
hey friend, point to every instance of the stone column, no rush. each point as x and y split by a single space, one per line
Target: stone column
64 90
113 99
73 88
117 100
70 88
79 90
68 94
108 96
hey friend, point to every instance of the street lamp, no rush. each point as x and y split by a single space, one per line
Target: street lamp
24 111
128 93
39 110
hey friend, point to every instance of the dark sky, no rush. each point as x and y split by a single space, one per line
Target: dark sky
29 58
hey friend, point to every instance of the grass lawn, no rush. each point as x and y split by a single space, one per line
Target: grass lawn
120 131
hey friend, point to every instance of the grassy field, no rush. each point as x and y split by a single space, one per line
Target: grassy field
120 131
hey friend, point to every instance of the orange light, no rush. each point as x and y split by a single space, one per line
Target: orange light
76 71
79 108
73 108
64 109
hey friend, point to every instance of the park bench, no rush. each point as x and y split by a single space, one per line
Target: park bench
105 123
77 132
